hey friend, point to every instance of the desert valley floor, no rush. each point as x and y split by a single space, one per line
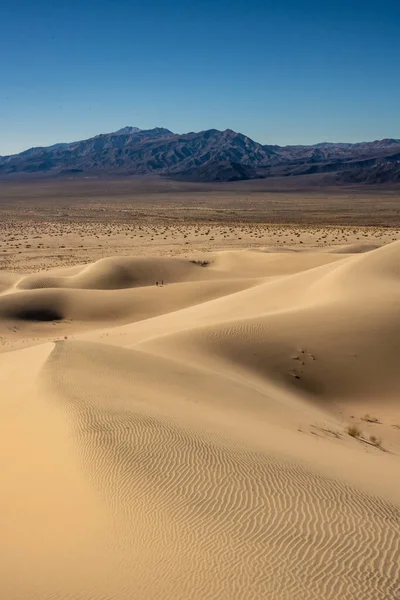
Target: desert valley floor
198 407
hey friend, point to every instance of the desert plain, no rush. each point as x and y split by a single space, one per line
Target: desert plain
199 391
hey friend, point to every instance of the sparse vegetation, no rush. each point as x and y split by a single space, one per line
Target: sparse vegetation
354 431
201 263
376 441
328 431
370 419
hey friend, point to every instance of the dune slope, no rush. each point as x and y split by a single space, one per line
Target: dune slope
190 441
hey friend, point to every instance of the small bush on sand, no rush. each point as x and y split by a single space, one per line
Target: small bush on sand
370 419
354 431
201 263
375 441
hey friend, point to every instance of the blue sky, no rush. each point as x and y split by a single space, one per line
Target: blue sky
287 71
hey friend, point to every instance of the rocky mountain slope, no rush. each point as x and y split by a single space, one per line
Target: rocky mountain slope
210 155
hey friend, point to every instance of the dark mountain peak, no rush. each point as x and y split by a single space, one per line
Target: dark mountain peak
229 134
160 131
388 142
207 133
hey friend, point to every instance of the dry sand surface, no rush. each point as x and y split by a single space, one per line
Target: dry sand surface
191 440
233 433
69 222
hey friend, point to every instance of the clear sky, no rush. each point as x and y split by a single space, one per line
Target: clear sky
282 71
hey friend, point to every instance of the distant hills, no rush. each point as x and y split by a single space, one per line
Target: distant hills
210 155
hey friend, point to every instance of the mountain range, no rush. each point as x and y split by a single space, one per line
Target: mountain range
210 155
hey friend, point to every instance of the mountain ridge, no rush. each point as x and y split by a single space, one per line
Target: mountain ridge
209 155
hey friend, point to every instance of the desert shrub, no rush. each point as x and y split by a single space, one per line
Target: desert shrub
375 441
370 419
354 431
201 263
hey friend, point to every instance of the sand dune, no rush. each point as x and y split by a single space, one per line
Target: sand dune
7 280
83 305
120 273
351 248
191 440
